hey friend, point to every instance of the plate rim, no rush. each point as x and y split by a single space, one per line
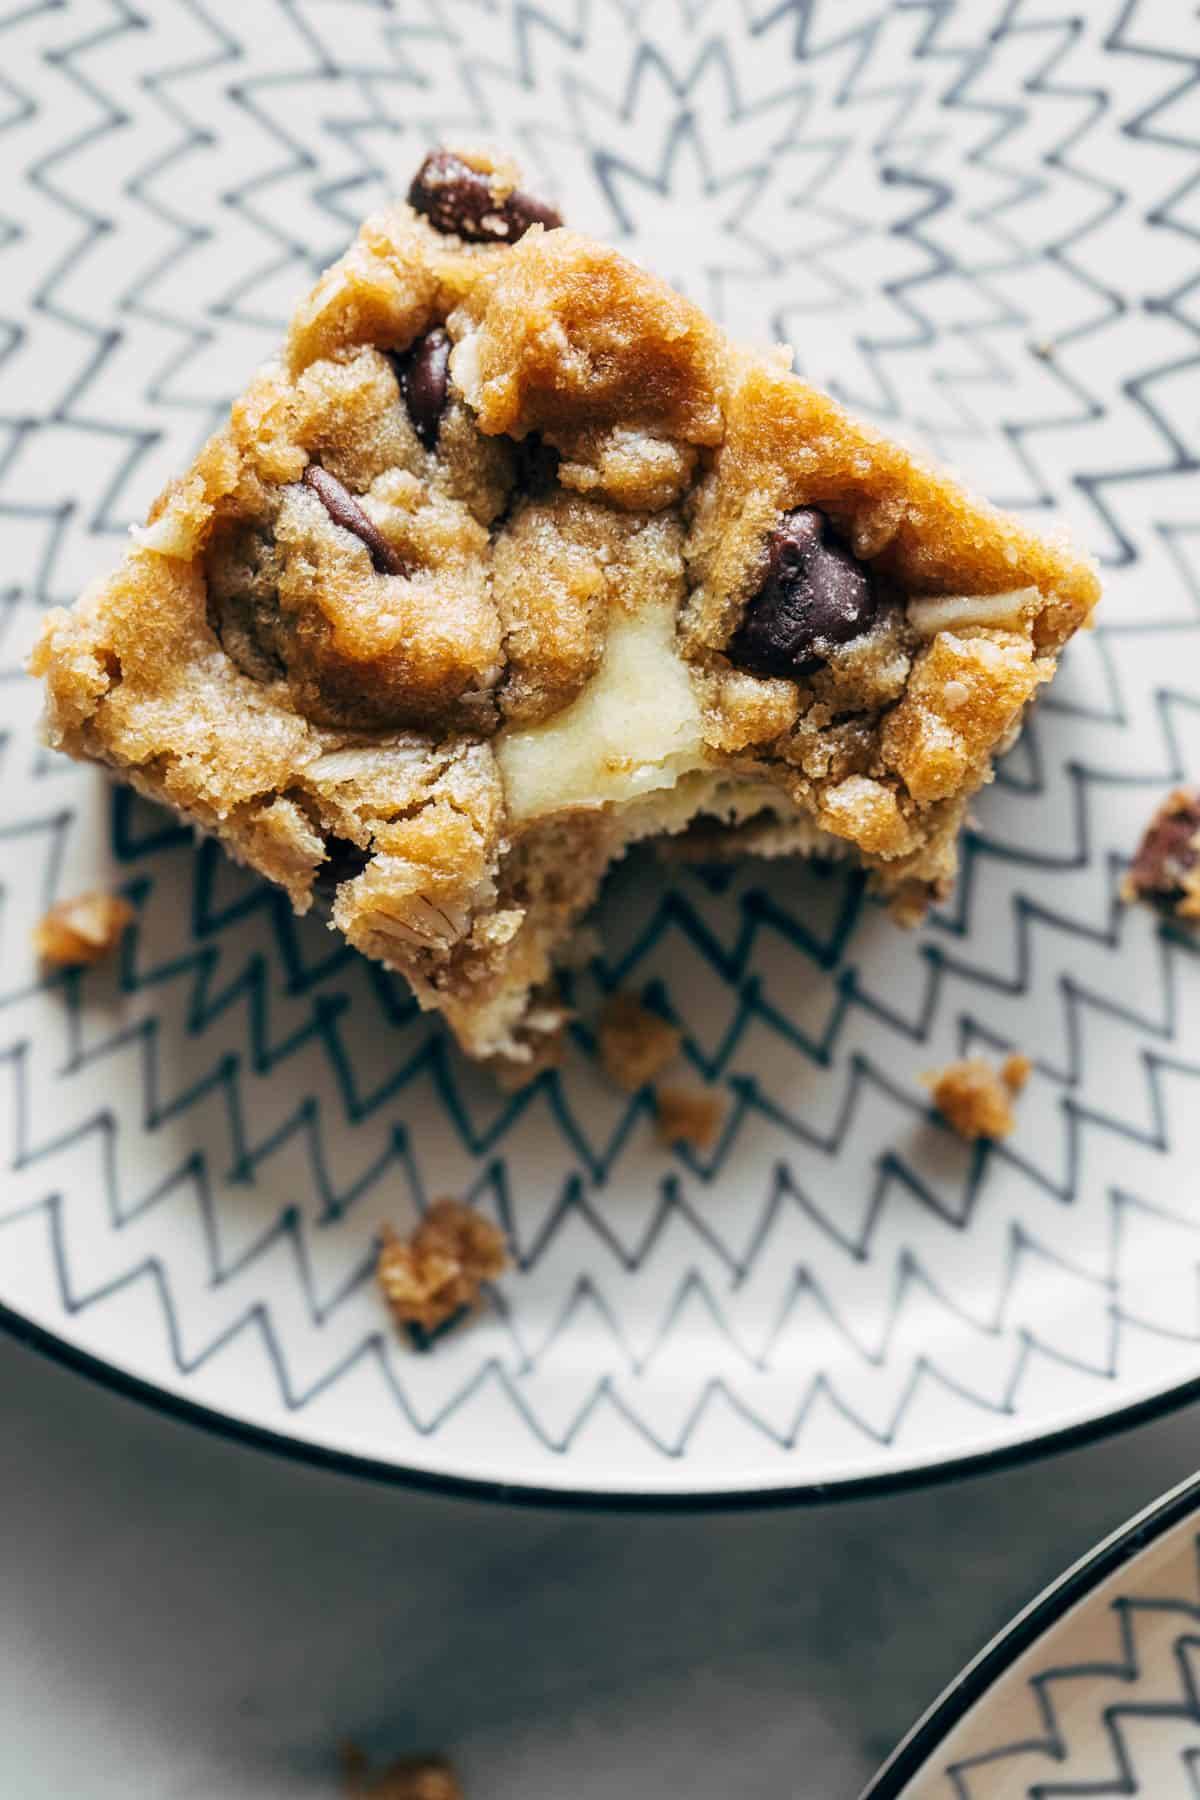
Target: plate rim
387 1457
219 1423
1122 1546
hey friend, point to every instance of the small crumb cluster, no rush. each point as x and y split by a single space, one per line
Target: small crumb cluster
635 1044
410 1778
688 1116
976 1100
1165 871
439 1269
80 931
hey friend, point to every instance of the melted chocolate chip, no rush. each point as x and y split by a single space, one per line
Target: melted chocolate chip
424 376
536 466
1168 853
345 511
814 595
247 633
243 569
458 200
344 860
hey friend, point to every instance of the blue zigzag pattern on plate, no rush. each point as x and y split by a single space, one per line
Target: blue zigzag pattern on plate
1102 1721
274 1063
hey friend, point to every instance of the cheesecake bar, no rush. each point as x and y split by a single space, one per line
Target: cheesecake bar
510 559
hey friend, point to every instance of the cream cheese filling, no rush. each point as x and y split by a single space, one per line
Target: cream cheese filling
634 739
635 729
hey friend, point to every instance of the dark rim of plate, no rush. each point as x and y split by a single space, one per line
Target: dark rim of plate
914 1752
811 1493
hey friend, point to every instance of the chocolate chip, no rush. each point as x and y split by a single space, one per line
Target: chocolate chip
344 859
536 465
1168 853
243 566
424 375
345 511
814 595
458 200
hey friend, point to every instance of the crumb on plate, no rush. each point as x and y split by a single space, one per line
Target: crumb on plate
688 1116
1015 1071
410 1778
439 1268
1165 870
83 930
975 1099
635 1044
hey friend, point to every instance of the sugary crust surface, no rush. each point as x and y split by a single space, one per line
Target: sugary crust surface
571 340
379 576
786 444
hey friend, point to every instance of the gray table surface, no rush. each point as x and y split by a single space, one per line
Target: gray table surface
187 1617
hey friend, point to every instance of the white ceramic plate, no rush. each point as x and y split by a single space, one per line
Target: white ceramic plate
1093 1689
977 223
